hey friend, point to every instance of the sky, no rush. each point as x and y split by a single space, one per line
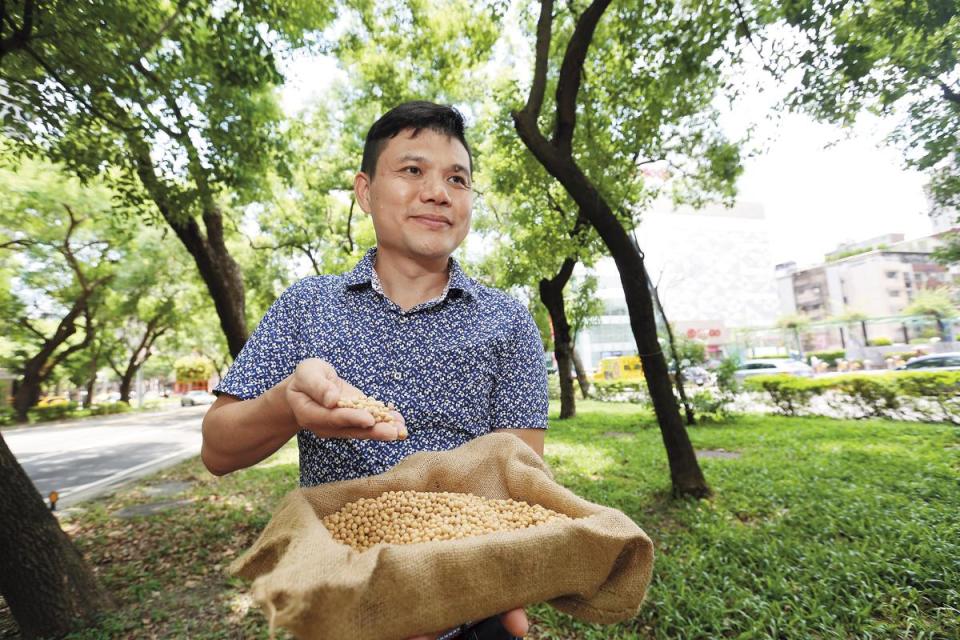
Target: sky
819 184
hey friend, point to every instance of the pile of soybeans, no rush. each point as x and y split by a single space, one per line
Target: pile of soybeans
407 517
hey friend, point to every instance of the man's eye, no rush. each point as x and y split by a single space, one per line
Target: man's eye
413 170
459 179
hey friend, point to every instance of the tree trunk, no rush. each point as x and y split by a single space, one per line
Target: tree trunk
39 367
45 581
582 378
677 369
551 294
92 375
219 271
126 381
27 395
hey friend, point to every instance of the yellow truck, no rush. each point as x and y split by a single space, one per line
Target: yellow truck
622 368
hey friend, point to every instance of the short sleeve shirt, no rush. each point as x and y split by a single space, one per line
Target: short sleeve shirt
456 367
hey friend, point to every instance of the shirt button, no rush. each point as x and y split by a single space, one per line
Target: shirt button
403 319
397 375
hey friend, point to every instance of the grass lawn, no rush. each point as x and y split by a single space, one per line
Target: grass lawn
819 529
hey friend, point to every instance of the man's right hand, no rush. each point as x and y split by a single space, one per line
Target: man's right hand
313 392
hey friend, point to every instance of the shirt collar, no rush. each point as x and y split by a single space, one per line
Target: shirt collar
364 275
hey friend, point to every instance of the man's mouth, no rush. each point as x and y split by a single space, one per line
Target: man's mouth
433 222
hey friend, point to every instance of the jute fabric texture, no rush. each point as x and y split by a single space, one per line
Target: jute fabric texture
596 567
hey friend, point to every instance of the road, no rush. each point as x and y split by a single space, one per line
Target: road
86 459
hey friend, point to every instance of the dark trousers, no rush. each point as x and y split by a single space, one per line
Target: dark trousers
489 629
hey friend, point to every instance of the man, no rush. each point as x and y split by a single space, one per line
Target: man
406 326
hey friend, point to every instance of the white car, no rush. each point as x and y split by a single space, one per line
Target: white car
934 362
771 367
191 398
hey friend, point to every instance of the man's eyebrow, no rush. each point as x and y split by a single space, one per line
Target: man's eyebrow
412 157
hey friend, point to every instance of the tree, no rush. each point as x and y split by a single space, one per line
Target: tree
653 72
584 307
45 581
935 303
177 108
884 56
795 324
540 236
48 231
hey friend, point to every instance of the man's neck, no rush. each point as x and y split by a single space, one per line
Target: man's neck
408 281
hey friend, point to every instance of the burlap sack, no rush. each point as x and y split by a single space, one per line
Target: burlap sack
596 567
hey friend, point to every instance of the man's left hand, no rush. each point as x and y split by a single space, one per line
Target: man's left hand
514 621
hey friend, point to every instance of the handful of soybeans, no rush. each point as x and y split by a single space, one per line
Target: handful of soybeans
408 517
379 411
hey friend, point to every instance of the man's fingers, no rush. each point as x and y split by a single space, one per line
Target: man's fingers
515 622
385 431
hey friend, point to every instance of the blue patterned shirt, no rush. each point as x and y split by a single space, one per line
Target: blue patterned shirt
456 367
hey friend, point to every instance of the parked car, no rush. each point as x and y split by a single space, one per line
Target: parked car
773 366
197 396
934 362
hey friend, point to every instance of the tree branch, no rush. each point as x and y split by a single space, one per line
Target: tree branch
21 36
80 100
539 86
23 322
571 69
949 93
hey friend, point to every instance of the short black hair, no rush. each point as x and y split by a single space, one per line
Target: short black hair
416 115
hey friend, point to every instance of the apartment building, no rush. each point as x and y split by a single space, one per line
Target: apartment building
878 277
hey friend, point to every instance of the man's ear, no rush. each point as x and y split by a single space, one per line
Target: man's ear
361 190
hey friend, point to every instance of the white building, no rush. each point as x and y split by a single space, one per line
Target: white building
714 271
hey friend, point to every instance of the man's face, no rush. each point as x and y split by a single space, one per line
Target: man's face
420 198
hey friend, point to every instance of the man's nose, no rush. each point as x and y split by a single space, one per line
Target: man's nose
435 190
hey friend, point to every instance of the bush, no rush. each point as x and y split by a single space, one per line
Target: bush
620 391
942 388
874 396
790 394
110 408
52 412
830 357
711 407
880 342
553 386
933 396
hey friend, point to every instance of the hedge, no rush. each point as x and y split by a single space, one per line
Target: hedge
830 357
907 395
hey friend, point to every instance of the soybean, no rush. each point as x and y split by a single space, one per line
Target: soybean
409 517
380 412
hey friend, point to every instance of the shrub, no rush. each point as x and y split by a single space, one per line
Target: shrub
874 395
553 386
830 357
790 394
933 396
727 375
620 390
52 412
711 407
880 342
109 408
941 387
